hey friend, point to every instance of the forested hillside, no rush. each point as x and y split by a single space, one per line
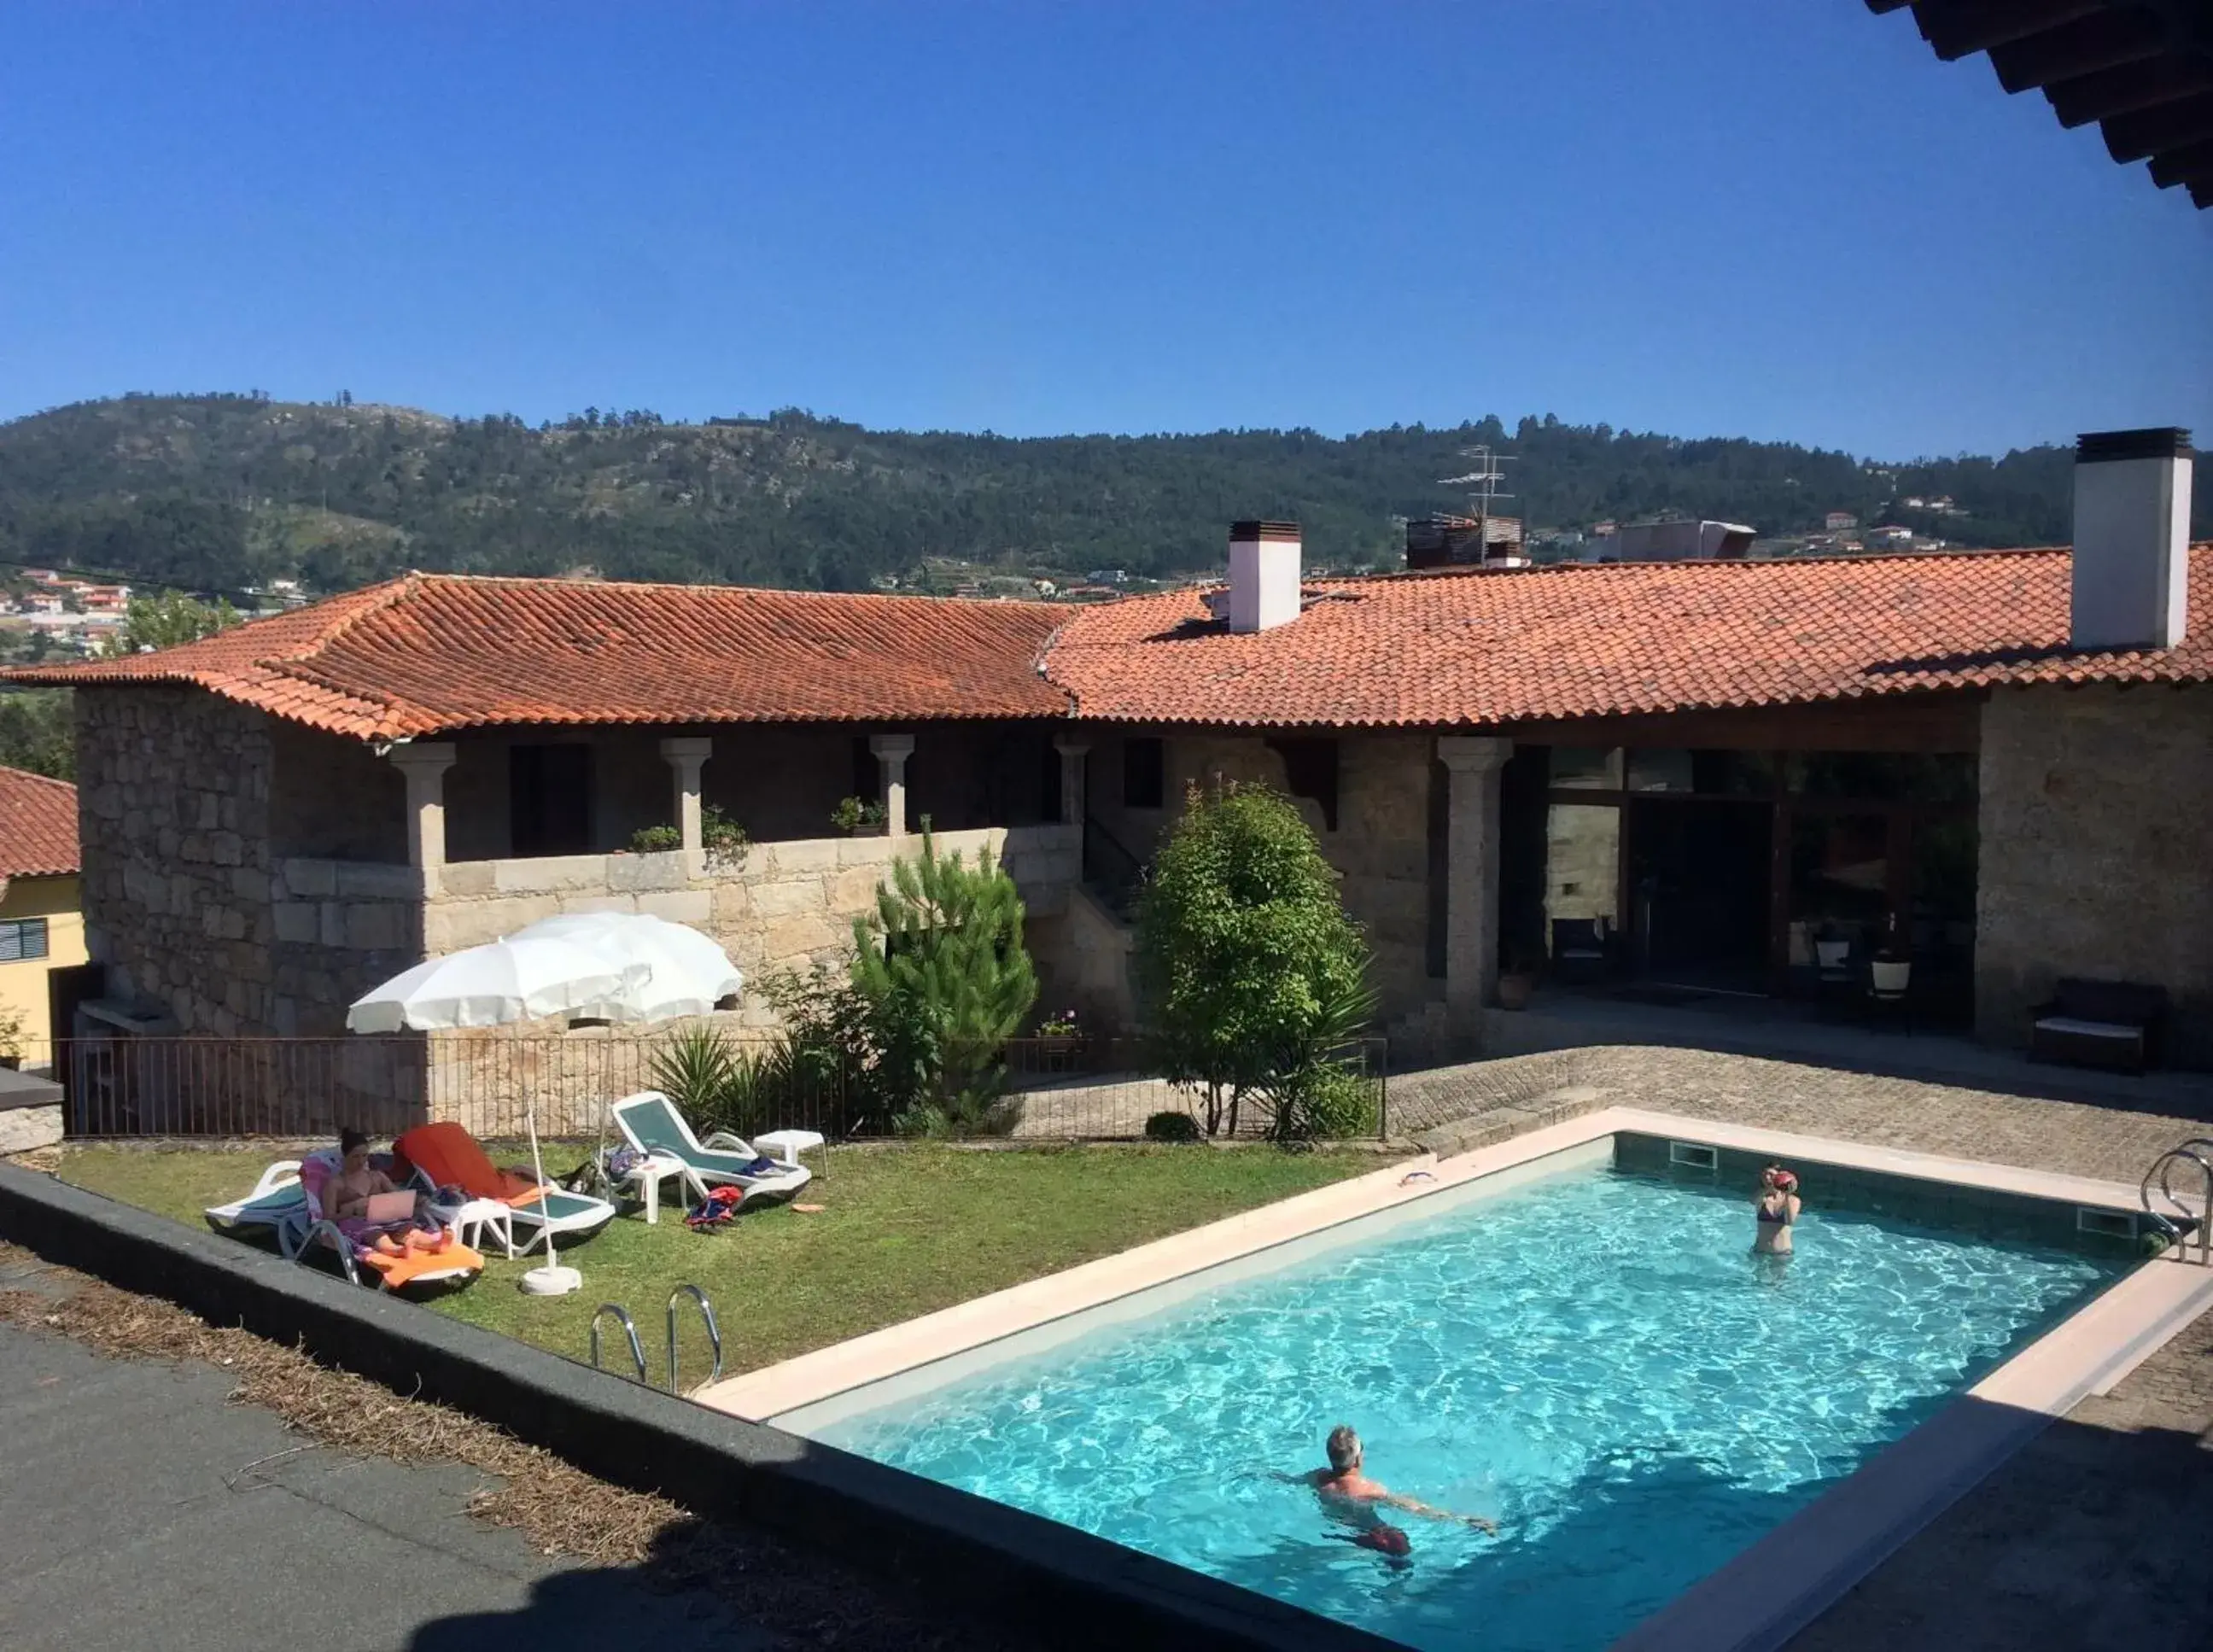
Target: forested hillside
217 493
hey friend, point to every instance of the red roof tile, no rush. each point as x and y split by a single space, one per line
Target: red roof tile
431 653
1492 646
38 826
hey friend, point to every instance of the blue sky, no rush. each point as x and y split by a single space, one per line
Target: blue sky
1731 218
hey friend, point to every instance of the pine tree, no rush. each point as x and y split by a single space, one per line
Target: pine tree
941 965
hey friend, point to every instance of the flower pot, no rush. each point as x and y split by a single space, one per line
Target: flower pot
1515 987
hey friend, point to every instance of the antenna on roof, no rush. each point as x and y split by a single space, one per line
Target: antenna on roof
1482 483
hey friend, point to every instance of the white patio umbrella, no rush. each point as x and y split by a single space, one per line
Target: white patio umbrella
686 974
513 979
502 981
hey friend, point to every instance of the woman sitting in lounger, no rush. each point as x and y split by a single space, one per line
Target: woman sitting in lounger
348 1194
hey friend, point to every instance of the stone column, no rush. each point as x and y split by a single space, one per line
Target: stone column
891 752
685 755
1472 877
1072 800
424 764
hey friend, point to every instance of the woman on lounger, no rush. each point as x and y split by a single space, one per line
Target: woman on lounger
347 1194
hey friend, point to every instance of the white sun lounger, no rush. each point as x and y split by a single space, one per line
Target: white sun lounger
651 1123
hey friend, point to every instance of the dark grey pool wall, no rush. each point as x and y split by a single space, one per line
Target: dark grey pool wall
1984 1213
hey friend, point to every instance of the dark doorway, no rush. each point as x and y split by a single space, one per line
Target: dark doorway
549 799
1700 876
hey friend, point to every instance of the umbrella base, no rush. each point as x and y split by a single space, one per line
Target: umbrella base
552 1281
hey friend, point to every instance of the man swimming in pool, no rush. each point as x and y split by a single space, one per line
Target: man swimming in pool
1350 1496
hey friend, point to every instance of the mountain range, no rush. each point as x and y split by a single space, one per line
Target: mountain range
220 492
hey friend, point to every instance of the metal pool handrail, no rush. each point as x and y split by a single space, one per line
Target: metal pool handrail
714 1331
636 1352
2193 1151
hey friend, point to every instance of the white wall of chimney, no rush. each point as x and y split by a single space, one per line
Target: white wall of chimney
2131 563
1263 583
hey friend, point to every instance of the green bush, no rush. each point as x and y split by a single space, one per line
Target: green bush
1172 1127
693 1068
723 839
945 981
655 840
1331 1102
1249 970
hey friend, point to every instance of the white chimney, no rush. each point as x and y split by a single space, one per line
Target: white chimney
2131 563
1264 574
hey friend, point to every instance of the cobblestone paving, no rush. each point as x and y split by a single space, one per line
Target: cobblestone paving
2094 1535
2084 1139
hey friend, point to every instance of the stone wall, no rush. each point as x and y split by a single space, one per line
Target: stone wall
187 900
1380 845
2096 852
789 905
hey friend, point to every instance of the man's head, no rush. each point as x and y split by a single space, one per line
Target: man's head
1343 1449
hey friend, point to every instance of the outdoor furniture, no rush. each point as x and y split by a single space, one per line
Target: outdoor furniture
475 1221
277 1198
1580 955
445 1154
651 1124
457 1262
1889 990
2111 1024
642 1182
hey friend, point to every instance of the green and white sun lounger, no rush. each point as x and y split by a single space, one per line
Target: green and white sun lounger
277 1198
651 1124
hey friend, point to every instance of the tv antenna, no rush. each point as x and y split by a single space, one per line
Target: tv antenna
1483 485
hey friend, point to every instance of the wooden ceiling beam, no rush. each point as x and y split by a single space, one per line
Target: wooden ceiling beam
2101 96
2164 126
2104 39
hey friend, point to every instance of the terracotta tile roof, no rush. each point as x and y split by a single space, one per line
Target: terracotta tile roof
1485 648
431 653
38 826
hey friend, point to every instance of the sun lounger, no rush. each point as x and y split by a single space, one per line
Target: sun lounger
444 1156
651 1124
275 1198
454 1263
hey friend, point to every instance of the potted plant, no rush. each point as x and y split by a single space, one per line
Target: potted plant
1516 982
1060 1042
858 817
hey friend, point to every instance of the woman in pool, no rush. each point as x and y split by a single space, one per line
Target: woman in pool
1775 1212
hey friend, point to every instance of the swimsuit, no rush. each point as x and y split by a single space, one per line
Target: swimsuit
1763 1214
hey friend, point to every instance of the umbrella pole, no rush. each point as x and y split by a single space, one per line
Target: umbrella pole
552 1279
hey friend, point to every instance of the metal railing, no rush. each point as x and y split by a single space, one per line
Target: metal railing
2181 1222
1066 1087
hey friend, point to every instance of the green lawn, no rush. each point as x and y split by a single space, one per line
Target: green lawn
905 1230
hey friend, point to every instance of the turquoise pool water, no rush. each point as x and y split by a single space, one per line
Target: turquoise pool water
1594 1361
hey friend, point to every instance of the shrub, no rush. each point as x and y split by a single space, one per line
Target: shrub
1249 970
854 813
655 840
946 981
1328 1102
723 839
1172 1127
693 1068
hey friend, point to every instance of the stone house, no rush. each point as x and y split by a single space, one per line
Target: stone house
41 928
1999 761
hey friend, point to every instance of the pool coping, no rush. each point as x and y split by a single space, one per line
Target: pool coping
1773 1588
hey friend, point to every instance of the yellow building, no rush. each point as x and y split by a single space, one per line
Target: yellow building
41 926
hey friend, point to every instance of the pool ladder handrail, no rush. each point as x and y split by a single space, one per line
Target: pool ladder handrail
714 1331
629 1330
637 1349
2179 1214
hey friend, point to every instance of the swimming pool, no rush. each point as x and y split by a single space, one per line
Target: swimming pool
1590 1358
